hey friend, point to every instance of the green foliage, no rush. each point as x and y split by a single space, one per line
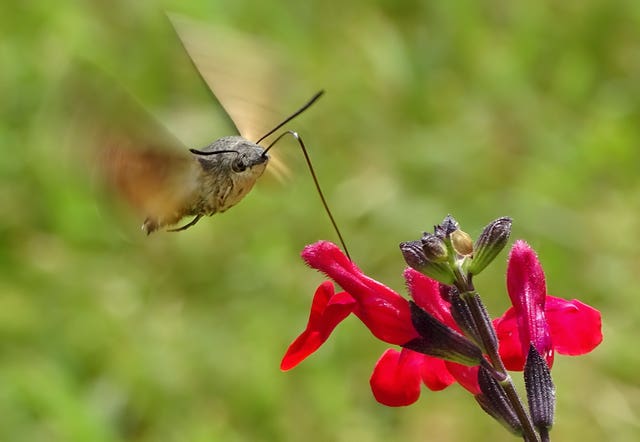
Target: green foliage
478 109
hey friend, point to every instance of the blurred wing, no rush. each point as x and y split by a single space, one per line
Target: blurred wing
152 180
242 72
136 157
239 70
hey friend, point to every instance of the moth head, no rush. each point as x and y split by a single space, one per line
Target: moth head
233 155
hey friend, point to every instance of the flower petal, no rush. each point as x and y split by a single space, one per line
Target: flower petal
576 328
509 341
396 379
382 310
327 311
426 293
527 290
435 374
466 376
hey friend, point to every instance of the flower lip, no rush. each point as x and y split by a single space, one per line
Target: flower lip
328 309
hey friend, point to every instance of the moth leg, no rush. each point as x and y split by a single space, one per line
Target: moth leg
186 226
149 226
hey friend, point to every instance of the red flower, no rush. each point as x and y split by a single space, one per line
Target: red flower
328 309
550 323
573 327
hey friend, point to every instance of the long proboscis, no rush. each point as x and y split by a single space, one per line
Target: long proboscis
313 174
292 116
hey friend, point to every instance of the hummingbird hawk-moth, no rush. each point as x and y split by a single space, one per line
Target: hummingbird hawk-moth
169 185
167 182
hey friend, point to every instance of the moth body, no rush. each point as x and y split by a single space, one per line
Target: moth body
216 178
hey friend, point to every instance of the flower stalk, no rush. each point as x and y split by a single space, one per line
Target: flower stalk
445 333
489 344
459 250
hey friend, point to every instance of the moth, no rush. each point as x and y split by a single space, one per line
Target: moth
165 181
169 185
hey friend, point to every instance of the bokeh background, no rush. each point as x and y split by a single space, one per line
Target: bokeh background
478 109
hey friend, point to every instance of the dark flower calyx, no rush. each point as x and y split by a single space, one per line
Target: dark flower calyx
441 341
541 393
463 316
495 402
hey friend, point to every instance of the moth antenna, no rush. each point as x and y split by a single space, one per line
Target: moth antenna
313 174
215 152
292 116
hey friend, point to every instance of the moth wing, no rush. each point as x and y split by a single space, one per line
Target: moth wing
134 155
241 71
154 181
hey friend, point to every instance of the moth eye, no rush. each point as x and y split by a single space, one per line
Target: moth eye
238 165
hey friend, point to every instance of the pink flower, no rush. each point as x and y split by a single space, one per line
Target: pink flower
569 327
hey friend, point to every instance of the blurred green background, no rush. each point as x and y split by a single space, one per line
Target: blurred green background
478 109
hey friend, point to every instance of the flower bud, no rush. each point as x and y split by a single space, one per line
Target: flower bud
491 241
413 254
434 248
462 243
415 257
447 227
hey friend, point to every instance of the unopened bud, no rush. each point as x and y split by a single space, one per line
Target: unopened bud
413 254
447 227
434 248
415 258
491 241
462 243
